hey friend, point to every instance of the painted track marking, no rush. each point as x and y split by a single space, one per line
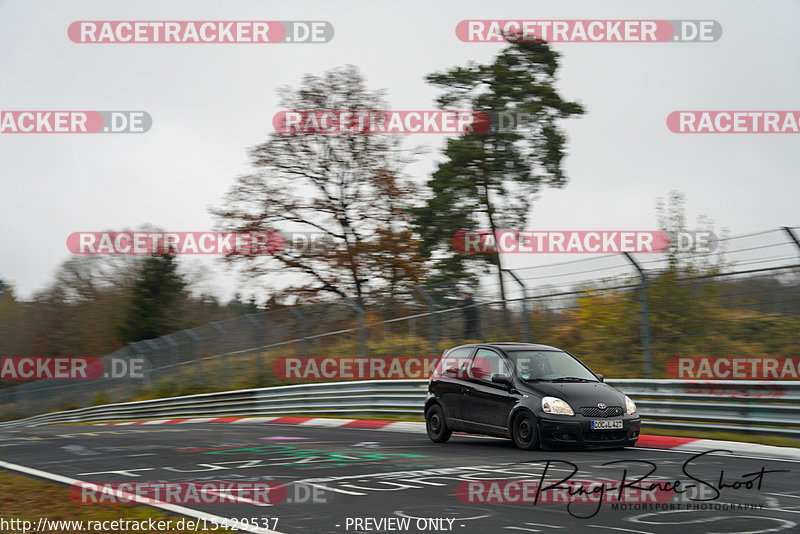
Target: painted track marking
174 508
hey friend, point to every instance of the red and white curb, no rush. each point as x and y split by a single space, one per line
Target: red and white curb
739 448
645 441
319 422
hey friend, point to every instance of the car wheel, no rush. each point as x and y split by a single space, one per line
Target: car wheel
525 432
436 425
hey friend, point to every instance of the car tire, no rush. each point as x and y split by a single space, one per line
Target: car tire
436 425
525 432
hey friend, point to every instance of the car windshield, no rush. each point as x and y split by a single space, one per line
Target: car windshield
552 365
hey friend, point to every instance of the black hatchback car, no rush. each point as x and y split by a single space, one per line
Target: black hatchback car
533 394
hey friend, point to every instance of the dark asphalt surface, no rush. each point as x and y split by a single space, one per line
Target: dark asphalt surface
382 474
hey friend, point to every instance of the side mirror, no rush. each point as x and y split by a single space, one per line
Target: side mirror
502 379
600 377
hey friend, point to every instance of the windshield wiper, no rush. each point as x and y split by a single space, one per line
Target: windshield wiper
572 379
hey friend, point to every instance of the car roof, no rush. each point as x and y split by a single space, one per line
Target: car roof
506 345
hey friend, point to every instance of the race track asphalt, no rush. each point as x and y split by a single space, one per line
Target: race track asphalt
360 478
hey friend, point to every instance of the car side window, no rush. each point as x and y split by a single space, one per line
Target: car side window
455 362
486 363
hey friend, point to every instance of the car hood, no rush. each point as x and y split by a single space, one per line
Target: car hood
577 394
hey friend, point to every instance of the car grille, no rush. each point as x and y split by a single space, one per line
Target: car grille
608 411
605 435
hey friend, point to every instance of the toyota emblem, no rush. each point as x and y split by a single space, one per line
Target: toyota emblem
601 405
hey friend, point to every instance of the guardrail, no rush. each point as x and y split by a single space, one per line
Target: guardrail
371 397
731 405
727 405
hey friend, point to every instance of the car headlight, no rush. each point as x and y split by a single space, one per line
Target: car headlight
630 406
556 406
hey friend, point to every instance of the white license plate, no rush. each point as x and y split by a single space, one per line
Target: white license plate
607 424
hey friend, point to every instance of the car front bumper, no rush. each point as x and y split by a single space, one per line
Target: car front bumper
576 432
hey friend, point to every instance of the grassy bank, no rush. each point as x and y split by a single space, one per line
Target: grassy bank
29 499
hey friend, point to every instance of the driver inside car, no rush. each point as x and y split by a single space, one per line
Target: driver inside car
532 367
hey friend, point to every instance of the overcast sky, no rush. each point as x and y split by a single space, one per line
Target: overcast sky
210 102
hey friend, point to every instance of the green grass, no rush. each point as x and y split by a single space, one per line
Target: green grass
29 499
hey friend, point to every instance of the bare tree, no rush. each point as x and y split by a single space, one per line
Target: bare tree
347 189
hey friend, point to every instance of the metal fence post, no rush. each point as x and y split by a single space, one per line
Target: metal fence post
156 362
645 318
133 383
174 364
260 342
362 327
21 401
796 240
526 320
223 356
15 399
198 362
792 236
146 382
434 325
303 330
